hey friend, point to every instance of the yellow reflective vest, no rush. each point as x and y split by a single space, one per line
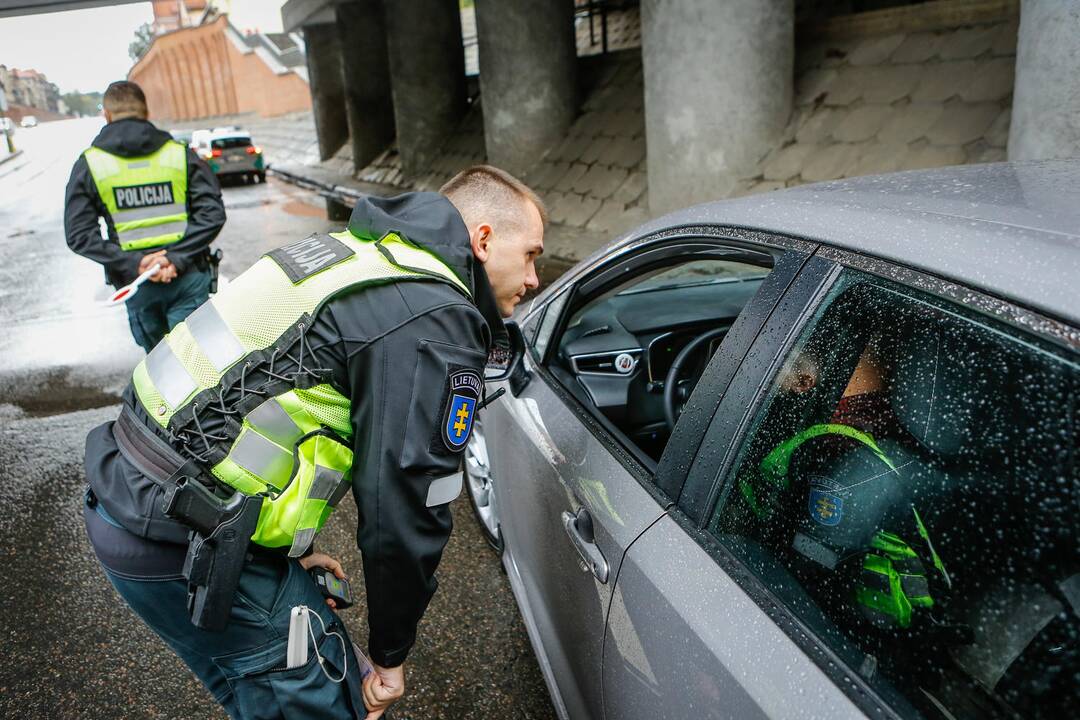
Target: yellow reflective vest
145 196
287 431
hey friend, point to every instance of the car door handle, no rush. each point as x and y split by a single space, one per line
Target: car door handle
580 529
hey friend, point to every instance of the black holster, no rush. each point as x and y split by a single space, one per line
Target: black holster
217 549
213 261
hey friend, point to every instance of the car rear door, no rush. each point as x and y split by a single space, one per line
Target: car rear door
739 601
572 499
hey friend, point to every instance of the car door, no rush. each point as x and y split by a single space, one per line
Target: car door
754 597
573 495
683 638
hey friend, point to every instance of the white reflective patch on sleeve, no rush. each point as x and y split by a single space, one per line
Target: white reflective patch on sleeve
169 375
214 337
444 490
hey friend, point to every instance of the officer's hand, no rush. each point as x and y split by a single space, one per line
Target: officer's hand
324 561
149 259
167 273
382 689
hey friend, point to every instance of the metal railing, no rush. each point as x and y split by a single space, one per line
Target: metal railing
589 10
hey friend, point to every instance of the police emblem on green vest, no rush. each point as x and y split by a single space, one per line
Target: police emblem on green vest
465 387
825 507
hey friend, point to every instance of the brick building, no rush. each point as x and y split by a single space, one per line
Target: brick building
211 69
170 15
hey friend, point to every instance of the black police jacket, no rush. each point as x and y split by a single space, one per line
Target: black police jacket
391 349
132 137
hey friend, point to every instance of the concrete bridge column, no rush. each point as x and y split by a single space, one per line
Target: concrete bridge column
368 102
427 72
528 77
1046 94
718 93
327 87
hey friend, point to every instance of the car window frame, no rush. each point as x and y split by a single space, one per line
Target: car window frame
637 464
693 509
552 308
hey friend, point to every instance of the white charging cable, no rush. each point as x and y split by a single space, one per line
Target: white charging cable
344 648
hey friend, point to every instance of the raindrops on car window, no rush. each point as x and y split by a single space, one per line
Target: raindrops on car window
910 490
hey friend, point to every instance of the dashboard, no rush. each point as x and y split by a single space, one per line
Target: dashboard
619 348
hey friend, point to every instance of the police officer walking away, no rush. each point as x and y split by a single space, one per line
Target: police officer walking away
348 361
161 204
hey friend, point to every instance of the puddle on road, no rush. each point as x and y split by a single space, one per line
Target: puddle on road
55 394
300 208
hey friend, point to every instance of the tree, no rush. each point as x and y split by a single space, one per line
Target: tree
83 104
144 37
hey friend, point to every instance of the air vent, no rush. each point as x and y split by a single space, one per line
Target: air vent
618 362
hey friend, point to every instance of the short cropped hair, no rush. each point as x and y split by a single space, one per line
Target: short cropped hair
482 191
124 98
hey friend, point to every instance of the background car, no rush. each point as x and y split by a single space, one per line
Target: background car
230 152
804 454
29 121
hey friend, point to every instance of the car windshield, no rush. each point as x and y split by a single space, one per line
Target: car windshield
230 142
701 272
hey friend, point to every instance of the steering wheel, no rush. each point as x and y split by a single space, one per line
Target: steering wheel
676 392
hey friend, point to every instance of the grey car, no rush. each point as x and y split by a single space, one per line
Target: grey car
805 454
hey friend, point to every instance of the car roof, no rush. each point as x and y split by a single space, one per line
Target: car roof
1009 229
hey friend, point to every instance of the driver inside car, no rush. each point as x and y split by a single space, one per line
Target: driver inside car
843 506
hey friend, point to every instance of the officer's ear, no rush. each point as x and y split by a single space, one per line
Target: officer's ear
480 239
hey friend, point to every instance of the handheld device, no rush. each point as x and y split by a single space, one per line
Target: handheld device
331 587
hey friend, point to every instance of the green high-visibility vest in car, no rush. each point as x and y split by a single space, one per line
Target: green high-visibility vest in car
286 437
145 196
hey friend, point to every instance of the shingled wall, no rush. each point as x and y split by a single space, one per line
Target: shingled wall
873 98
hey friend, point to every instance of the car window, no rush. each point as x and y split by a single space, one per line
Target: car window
232 142
660 325
550 320
696 273
909 490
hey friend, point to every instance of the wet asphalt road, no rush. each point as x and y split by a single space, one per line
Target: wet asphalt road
70 648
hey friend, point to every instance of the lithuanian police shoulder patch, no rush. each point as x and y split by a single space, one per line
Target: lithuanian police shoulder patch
463 389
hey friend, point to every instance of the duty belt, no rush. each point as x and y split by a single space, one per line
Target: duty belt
146 450
221 528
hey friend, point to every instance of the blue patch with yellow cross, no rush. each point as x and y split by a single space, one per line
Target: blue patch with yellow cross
826 507
465 388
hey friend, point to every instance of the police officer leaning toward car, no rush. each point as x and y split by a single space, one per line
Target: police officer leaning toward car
161 205
345 361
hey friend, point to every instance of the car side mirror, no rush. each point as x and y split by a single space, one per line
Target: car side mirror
511 365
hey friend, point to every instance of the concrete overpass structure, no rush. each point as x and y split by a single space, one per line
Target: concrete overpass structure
11 8
718 80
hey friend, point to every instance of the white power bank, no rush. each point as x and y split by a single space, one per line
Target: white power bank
297 652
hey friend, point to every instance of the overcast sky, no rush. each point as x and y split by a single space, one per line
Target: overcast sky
87 49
